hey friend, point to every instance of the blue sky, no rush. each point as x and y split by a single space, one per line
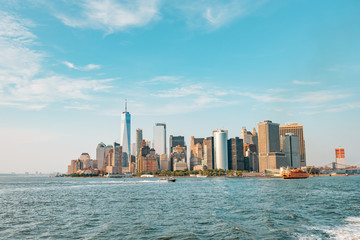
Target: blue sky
67 66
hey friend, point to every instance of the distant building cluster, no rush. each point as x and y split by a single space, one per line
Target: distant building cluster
271 147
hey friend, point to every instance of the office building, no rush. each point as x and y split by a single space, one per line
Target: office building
253 159
125 137
164 162
100 155
147 161
209 152
291 149
221 149
178 159
117 159
296 130
159 141
176 141
196 152
235 154
340 157
139 138
270 156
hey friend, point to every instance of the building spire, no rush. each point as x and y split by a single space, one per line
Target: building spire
125 105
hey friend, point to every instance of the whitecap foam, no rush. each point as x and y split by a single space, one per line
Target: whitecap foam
351 230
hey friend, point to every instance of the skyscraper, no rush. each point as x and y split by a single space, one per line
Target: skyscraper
196 151
236 154
291 149
175 141
297 130
159 141
100 155
221 149
125 137
117 158
270 156
209 152
139 139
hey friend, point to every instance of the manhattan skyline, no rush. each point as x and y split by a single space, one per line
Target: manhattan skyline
197 67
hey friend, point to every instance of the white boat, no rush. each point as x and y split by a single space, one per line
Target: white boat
170 179
147 176
114 176
202 176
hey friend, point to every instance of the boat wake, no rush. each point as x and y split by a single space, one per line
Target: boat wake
351 230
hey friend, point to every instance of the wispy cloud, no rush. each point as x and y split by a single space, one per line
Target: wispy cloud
217 13
82 68
162 80
297 82
111 16
23 81
331 108
195 89
313 97
79 107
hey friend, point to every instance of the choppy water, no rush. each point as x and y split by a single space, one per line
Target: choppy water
191 208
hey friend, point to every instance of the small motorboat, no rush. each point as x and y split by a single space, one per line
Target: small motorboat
171 179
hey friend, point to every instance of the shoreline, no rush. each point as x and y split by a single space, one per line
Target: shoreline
253 176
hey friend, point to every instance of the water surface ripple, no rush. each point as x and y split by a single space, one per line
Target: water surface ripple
191 208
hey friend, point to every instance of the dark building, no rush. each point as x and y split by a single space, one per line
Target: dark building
209 152
235 154
176 141
246 164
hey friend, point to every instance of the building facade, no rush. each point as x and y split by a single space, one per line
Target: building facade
139 139
340 157
178 159
196 152
176 141
159 141
298 130
209 152
100 155
291 149
235 154
221 149
270 156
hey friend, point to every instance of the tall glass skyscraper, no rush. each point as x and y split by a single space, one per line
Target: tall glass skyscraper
159 141
125 136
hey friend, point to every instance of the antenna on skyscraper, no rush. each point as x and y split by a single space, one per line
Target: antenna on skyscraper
125 105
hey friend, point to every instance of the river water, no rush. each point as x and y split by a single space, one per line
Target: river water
190 208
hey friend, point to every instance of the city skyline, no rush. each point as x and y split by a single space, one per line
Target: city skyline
196 67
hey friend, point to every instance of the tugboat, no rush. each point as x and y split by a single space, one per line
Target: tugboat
294 174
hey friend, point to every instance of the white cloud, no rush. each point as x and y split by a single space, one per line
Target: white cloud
300 97
181 92
79 107
21 81
216 13
162 80
82 68
111 16
296 82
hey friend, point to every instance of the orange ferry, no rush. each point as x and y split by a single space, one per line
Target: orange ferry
294 174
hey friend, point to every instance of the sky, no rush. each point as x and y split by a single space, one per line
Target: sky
66 68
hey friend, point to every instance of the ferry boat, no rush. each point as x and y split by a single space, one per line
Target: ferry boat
294 174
